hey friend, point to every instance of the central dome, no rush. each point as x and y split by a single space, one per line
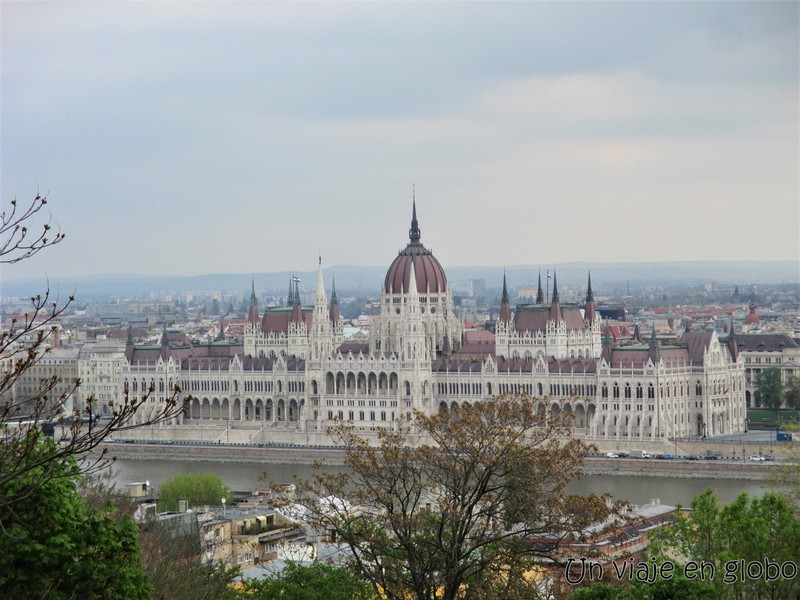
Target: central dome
430 275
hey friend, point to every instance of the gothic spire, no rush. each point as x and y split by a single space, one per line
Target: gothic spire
334 312
539 293
589 294
252 311
505 309
555 306
590 314
555 287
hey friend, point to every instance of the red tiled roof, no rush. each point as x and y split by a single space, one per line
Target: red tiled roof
534 317
276 320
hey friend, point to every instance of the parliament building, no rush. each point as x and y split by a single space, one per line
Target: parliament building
294 374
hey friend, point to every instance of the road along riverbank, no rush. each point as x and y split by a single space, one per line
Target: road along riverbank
297 455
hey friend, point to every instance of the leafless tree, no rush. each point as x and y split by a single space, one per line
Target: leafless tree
24 342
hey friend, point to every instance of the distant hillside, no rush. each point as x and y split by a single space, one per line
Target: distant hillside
368 280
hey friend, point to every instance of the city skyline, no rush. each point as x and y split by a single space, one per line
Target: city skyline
182 139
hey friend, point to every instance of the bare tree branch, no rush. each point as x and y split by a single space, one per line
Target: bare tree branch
53 405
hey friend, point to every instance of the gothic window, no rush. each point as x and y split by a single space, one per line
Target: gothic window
604 391
639 392
627 390
616 390
651 391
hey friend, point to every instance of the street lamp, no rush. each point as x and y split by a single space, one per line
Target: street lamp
223 507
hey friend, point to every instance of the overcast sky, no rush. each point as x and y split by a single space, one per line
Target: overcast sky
202 137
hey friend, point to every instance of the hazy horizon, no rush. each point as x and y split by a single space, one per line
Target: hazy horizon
195 138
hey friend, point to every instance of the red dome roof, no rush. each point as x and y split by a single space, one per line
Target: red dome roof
430 275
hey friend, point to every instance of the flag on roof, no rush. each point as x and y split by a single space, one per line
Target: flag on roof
295 278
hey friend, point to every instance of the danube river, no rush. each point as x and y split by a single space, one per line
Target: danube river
247 476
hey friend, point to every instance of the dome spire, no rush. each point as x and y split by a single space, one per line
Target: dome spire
414 233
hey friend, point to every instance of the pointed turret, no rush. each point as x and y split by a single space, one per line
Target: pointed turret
221 334
334 312
505 308
590 314
413 291
539 292
608 344
164 343
252 310
129 344
446 350
297 313
321 299
290 296
555 306
654 353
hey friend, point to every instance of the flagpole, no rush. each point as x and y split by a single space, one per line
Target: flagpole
547 295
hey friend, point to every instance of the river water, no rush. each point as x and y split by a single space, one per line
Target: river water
245 477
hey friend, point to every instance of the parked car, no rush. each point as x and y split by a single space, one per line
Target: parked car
712 456
611 455
757 458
